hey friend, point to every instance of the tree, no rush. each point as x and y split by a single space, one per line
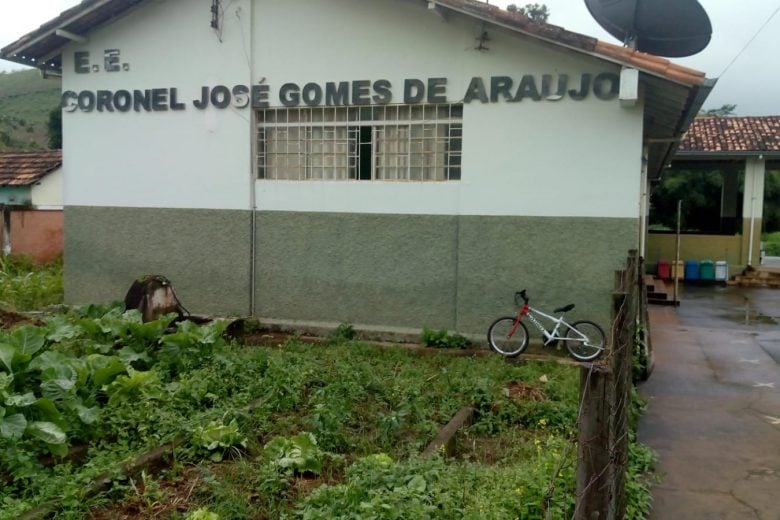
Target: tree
536 12
724 111
700 191
54 129
772 201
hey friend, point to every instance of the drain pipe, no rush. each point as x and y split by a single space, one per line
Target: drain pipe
676 270
753 181
252 172
643 205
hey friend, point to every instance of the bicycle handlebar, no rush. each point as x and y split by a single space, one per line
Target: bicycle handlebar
521 294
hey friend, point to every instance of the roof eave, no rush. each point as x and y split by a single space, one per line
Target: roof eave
689 155
695 105
58 28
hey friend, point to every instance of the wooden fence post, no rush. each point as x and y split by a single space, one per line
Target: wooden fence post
605 395
593 468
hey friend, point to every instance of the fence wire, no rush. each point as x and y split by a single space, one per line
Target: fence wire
605 397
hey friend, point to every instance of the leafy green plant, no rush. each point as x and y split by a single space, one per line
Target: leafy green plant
45 393
639 476
202 514
641 356
190 345
136 385
377 487
219 438
443 339
343 333
148 491
297 453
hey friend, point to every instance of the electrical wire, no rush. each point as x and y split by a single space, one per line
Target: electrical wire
760 30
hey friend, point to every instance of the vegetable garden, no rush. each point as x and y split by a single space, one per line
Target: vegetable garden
296 430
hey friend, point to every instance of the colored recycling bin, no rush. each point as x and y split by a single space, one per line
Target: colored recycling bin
663 269
707 270
678 269
721 270
692 270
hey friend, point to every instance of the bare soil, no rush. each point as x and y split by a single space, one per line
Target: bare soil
10 319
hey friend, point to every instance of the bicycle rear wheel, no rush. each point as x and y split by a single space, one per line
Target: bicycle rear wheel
591 346
506 337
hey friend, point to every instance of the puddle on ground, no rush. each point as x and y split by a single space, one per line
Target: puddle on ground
751 317
765 474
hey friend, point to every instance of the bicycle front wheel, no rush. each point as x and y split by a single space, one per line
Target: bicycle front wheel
585 341
507 337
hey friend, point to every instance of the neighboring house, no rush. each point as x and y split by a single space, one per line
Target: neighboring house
388 163
31 199
742 149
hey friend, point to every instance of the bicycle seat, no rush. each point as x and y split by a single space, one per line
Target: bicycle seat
564 309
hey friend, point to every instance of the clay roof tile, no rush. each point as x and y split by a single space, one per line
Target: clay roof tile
27 168
733 134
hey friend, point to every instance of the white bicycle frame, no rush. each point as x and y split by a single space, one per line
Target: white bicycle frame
551 336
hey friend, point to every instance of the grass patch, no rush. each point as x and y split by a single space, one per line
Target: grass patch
25 286
771 243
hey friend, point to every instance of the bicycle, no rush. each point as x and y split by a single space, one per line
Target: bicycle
508 335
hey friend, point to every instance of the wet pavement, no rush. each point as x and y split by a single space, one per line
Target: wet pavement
771 261
714 405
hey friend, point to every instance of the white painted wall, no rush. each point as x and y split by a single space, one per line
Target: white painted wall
189 159
48 192
565 158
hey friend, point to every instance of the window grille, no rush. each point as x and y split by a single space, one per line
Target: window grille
385 143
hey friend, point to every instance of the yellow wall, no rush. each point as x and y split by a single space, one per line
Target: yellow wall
700 247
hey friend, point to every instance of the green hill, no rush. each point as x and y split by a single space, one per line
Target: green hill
25 102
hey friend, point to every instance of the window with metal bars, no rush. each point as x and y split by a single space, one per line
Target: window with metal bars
385 143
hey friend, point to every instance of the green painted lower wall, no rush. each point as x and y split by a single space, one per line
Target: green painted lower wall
559 261
357 268
377 270
204 253
437 271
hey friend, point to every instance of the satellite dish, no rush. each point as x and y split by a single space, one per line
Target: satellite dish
672 28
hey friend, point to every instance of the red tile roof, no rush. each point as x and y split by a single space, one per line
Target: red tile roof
43 43
650 63
555 34
732 134
27 168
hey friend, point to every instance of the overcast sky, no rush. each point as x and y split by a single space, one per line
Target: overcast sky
751 83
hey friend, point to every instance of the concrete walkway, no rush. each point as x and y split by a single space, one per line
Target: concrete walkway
714 405
771 261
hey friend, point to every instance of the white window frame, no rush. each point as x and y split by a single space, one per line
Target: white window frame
333 143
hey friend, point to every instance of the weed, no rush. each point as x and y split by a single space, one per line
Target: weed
443 339
25 286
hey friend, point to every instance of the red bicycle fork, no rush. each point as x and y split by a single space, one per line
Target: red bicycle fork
520 315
